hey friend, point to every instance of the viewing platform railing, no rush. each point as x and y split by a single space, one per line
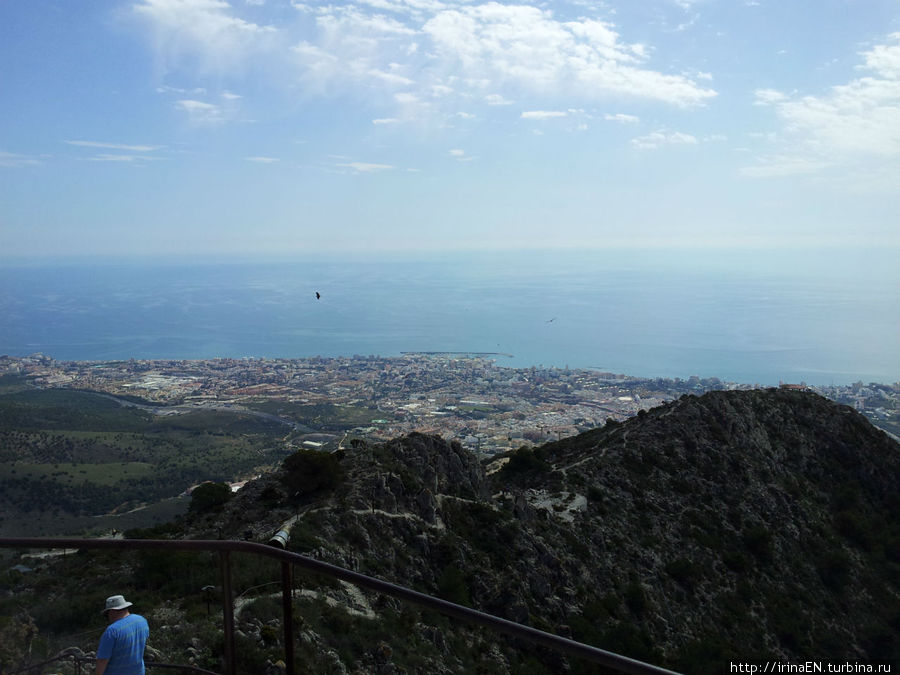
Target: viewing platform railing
289 559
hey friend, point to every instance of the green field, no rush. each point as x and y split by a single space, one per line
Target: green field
70 455
322 416
108 473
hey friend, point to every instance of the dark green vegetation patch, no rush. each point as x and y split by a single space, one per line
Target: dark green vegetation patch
736 527
322 416
69 456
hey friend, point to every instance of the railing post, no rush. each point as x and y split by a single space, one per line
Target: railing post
228 612
534 636
287 593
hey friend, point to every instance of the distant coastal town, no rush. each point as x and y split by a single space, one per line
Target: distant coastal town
465 397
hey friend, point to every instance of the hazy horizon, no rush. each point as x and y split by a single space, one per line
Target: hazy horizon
735 317
708 153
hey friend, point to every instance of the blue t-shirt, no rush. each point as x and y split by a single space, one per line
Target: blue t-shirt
123 644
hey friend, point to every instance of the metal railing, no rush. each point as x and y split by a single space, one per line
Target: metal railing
288 559
82 665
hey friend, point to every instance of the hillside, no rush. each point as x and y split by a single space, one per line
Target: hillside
733 526
75 461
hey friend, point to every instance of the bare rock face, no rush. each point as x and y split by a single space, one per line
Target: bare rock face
733 526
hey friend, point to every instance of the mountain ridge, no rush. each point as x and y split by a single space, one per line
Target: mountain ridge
734 526
729 502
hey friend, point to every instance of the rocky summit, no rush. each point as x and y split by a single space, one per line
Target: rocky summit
742 526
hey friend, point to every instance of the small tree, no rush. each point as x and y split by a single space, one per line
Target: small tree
208 496
311 471
525 460
16 636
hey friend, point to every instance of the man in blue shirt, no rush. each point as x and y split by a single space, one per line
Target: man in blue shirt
121 650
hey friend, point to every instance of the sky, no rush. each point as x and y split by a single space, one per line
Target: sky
280 126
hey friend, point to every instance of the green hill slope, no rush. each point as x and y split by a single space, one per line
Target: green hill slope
737 526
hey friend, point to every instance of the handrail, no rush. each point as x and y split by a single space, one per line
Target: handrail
617 662
78 660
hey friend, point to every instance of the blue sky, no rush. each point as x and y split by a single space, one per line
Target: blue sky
279 126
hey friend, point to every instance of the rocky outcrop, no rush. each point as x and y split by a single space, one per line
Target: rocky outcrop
731 527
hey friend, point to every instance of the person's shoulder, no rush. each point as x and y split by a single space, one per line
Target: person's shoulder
135 619
127 622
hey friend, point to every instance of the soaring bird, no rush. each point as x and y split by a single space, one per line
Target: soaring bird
317 295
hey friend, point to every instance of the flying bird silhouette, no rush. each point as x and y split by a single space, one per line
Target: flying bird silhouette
550 320
317 295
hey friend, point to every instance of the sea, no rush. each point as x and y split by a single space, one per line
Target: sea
755 316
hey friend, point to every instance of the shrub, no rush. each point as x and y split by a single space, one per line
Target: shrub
524 460
758 541
683 571
856 528
735 561
451 586
312 471
834 569
209 496
636 599
629 640
168 530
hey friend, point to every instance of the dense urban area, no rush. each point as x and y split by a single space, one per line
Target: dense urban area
464 397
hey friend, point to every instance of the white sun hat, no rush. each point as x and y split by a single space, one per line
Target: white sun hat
115 602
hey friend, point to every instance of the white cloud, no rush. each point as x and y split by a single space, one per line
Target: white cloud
541 114
885 59
200 112
850 123
497 99
684 25
474 51
386 120
622 118
115 146
13 160
166 89
412 7
259 159
204 28
350 48
528 48
658 139
366 167
122 158
230 96
780 166
376 23
460 155
391 78
768 97
465 115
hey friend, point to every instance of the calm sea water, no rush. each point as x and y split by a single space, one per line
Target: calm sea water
748 317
